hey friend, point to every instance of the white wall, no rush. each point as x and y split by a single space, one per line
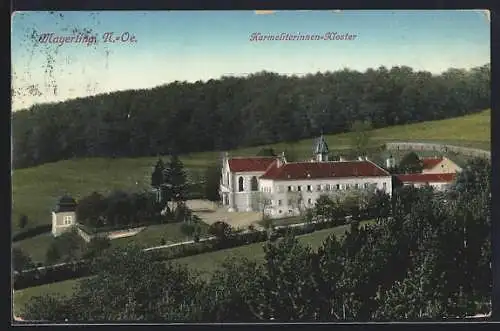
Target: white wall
58 225
439 186
280 191
446 166
242 201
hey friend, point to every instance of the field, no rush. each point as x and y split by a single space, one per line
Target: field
205 264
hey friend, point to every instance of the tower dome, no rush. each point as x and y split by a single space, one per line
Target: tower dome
65 203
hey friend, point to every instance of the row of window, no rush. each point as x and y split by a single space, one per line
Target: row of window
254 184
327 187
290 202
308 188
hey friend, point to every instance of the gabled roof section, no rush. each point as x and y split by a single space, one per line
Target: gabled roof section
320 170
250 164
430 162
321 146
427 178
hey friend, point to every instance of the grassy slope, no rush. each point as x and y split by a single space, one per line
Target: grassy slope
203 263
36 189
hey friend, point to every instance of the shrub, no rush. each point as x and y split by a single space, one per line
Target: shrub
23 221
20 260
96 247
32 232
49 275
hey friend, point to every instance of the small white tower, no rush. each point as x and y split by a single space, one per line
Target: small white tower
63 215
390 163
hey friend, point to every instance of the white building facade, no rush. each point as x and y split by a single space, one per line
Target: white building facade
438 181
63 215
282 189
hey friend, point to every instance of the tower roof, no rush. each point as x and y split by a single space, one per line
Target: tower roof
321 146
64 204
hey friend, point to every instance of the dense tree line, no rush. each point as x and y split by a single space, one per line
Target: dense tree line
429 260
240 111
118 209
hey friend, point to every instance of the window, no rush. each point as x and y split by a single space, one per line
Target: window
240 184
279 202
289 189
309 189
280 211
338 187
309 201
366 185
289 202
227 179
346 186
356 186
67 220
299 188
318 187
327 187
384 185
254 184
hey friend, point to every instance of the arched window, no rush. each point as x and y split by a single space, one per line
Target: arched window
254 184
240 184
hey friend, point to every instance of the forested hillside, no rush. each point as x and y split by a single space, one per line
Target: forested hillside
235 112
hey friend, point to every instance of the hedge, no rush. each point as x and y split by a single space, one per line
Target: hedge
36 277
32 232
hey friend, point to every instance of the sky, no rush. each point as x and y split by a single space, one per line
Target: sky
159 47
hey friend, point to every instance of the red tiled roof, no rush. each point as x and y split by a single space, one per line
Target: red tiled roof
427 178
250 164
316 170
429 163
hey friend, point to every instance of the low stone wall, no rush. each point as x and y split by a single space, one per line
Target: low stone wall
414 146
87 237
111 234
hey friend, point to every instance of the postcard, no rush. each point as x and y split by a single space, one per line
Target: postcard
251 166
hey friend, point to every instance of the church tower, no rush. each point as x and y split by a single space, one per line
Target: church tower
321 149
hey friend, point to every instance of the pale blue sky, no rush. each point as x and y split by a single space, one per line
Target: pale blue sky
199 45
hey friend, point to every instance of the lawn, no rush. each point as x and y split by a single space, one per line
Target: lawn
62 288
36 247
152 235
205 264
